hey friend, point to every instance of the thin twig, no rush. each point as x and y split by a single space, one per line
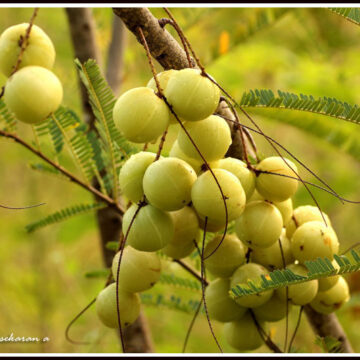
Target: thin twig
197 311
296 328
21 208
191 270
287 298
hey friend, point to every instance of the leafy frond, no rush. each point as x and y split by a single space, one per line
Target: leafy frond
62 215
98 273
350 14
329 344
318 268
8 121
47 169
173 280
265 98
172 302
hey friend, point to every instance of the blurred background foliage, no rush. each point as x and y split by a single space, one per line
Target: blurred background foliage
43 283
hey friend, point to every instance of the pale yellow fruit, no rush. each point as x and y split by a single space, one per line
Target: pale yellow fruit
176 152
33 93
39 51
178 251
328 282
273 310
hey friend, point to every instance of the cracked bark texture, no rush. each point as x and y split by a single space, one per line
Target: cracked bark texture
82 28
170 55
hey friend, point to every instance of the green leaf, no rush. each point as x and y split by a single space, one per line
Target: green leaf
112 245
8 121
48 170
173 280
63 214
100 273
350 14
317 269
328 344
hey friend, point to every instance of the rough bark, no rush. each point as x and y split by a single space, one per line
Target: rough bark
328 325
167 51
82 28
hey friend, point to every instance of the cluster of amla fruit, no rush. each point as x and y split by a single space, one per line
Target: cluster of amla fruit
33 91
174 197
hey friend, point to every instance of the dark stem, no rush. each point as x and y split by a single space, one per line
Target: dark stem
296 329
197 311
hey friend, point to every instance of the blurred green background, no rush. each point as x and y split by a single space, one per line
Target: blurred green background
42 282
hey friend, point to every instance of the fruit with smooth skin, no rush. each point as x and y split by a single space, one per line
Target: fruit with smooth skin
227 258
220 305
132 174
39 50
178 251
212 137
329 282
167 183
274 187
303 214
141 115
33 93
106 307
273 310
152 229
139 270
302 293
259 225
312 240
331 300
176 152
240 170
242 275
192 96
207 198
243 334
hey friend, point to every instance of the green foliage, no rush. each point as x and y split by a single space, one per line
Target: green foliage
63 214
112 245
350 14
7 118
328 344
99 273
48 170
318 268
173 280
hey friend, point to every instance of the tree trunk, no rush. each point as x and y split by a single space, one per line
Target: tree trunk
167 51
82 28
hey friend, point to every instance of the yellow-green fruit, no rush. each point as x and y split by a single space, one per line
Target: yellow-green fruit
167 183
227 258
192 96
329 282
240 170
312 240
176 152
207 198
151 230
132 174
139 270
242 275
272 310
211 225
275 187
243 334
178 251
259 225
106 307
33 93
299 294
212 137
220 305
303 214
163 78
272 257
331 300
39 51
141 115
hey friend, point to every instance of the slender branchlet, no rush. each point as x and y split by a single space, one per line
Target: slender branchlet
296 328
21 208
286 296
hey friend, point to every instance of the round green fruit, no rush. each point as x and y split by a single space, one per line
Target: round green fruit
312 240
192 96
33 93
39 51
219 303
240 170
212 137
260 224
243 334
211 225
331 300
141 115
139 270
329 282
299 294
176 152
167 183
106 307
242 275
151 230
273 310
178 251
208 201
303 214
275 187
132 174
227 258
272 257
